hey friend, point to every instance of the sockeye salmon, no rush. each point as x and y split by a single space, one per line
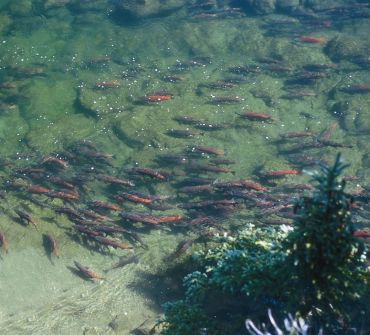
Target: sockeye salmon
25 217
280 173
114 180
149 172
137 217
123 261
37 189
86 272
208 150
63 195
312 39
104 205
52 244
254 116
4 242
113 243
57 162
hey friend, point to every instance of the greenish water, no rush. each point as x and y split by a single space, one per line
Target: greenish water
52 58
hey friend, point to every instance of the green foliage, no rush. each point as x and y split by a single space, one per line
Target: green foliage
241 265
324 259
182 318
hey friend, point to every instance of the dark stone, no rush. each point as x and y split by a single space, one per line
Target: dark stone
340 109
88 6
134 9
287 5
260 6
345 48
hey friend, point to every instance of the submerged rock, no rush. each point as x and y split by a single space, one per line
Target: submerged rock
287 5
44 137
261 6
13 128
97 331
352 113
5 22
122 322
148 327
21 8
271 6
99 103
52 4
141 129
138 9
91 5
345 48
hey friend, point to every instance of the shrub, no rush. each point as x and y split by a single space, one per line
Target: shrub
182 318
325 261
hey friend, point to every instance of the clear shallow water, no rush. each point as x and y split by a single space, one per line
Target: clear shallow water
52 64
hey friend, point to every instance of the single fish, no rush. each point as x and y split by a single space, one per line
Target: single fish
242 183
69 196
123 261
182 247
114 180
353 89
208 150
182 133
104 205
208 204
197 188
138 217
37 189
189 120
113 243
149 172
156 97
86 272
255 116
4 242
133 198
215 100
25 217
54 161
51 244
312 40
60 182
280 173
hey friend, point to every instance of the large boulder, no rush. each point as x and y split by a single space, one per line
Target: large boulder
260 6
53 4
345 48
88 6
12 128
351 111
5 22
287 5
22 8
